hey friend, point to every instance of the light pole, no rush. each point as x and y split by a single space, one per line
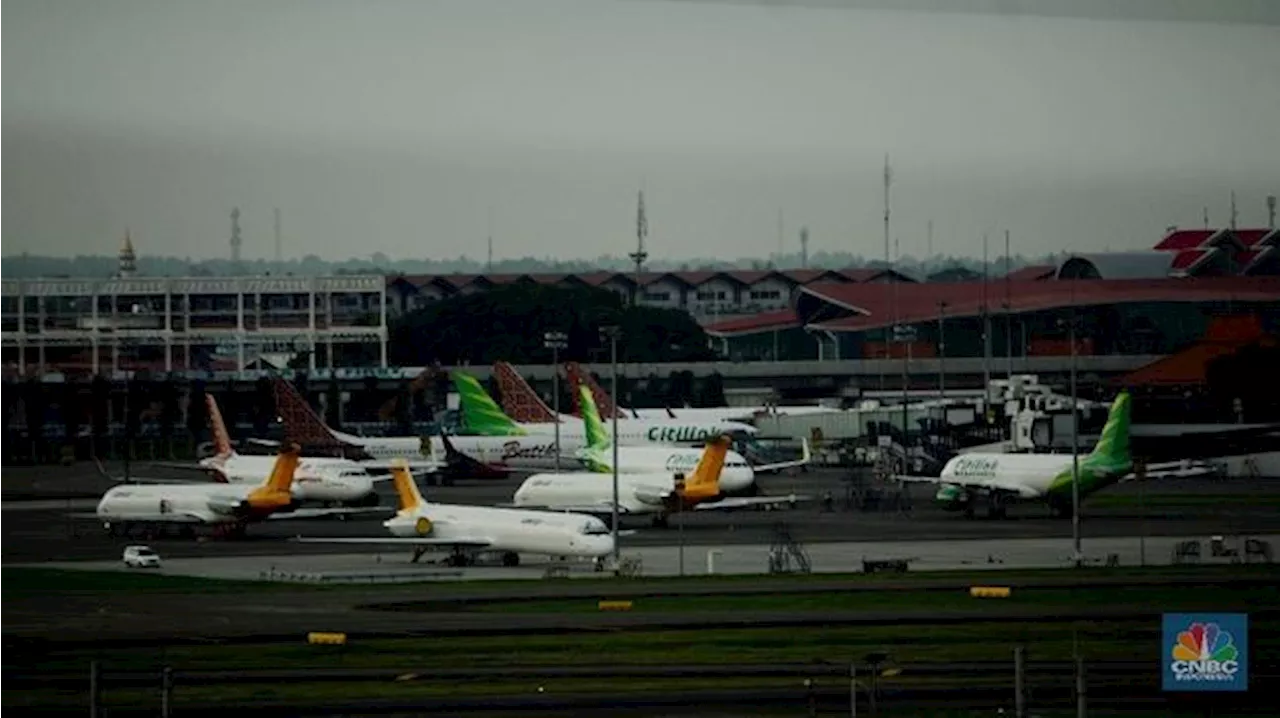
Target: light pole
555 341
611 333
1077 557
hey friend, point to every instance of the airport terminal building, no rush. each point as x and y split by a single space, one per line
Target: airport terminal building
1123 303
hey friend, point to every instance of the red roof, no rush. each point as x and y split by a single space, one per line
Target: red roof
1186 238
766 322
873 304
1251 237
1033 272
1188 259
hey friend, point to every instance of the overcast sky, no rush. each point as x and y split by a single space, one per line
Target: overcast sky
403 126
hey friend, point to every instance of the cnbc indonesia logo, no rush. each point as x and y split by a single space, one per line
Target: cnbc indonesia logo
1205 652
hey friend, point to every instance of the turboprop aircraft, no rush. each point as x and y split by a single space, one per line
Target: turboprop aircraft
228 507
1002 479
468 531
658 494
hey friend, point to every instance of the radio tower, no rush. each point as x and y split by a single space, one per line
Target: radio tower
279 248
638 256
804 247
236 241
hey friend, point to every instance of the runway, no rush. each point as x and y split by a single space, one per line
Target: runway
38 528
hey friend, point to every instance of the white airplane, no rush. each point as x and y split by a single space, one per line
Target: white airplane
657 494
228 507
737 475
606 405
1002 479
317 479
483 416
471 530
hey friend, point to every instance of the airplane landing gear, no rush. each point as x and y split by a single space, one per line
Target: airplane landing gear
660 521
510 558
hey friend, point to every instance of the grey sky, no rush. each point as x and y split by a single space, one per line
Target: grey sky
396 126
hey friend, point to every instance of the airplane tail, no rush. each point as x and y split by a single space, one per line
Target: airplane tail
1111 453
604 402
221 439
519 400
301 425
595 433
704 480
276 490
479 412
406 489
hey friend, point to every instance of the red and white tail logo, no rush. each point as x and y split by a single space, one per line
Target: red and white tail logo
221 439
519 400
604 402
301 425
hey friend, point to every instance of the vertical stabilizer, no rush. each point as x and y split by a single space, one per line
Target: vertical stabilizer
519 400
479 411
301 425
604 402
221 439
406 489
704 480
280 480
596 436
1111 453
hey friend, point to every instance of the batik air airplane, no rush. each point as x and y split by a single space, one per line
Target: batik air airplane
322 480
737 476
468 531
533 417
1001 479
607 407
228 508
658 494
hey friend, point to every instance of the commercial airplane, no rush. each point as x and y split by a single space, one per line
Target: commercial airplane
317 479
468 531
1002 479
738 475
303 427
578 377
227 507
658 494
483 416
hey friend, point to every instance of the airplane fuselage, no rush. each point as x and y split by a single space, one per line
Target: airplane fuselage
182 503
637 494
1038 476
515 530
316 479
737 474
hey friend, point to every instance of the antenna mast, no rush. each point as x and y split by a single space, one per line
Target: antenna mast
1233 210
1271 211
1008 304
888 179
986 323
804 247
638 256
236 241
778 259
929 241
279 248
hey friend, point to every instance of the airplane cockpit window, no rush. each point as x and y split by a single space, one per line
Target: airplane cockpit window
595 528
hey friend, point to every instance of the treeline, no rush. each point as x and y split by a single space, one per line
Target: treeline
508 323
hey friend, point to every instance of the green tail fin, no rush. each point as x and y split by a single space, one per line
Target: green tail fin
1112 450
596 436
480 413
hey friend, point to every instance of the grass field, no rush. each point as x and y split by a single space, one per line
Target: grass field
38 581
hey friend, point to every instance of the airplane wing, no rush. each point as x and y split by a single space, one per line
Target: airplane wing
601 509
402 541
804 459
1186 469
318 513
154 480
157 518
744 502
417 466
1005 484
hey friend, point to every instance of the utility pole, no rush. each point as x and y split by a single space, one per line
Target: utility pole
1233 210
986 326
888 180
279 245
1077 556
942 351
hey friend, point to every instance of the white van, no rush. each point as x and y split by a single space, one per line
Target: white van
141 557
